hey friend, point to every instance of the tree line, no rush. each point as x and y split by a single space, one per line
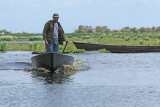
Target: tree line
105 29
5 32
90 29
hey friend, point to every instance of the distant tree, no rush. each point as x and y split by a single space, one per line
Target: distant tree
134 30
153 29
5 32
24 33
115 30
142 29
103 29
98 29
88 29
148 29
125 29
80 29
158 29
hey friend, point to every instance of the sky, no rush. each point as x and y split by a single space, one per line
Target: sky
31 15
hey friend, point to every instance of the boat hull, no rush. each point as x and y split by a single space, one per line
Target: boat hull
51 61
117 49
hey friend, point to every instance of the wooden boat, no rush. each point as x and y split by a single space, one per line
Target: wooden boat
51 61
88 47
117 49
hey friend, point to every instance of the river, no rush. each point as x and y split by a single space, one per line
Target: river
113 80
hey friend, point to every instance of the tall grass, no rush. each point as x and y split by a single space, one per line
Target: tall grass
3 46
32 46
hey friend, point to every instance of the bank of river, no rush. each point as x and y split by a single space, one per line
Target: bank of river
114 80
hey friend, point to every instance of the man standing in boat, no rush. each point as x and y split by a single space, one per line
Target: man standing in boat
53 34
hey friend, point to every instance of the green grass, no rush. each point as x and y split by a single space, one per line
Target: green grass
131 41
112 38
40 47
103 51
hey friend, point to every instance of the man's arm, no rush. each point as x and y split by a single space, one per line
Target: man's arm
45 30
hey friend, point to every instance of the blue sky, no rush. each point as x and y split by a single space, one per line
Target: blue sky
31 15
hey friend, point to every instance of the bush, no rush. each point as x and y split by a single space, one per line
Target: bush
6 38
103 50
14 38
146 38
127 38
85 37
141 42
3 45
35 38
158 42
23 37
135 38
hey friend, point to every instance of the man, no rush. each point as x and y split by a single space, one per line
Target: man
53 34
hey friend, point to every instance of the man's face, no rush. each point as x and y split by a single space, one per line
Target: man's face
55 19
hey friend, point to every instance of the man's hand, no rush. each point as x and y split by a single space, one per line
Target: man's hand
66 41
46 42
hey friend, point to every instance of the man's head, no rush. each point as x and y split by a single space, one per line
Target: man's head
55 17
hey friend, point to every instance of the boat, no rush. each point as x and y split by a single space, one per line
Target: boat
51 61
117 48
88 47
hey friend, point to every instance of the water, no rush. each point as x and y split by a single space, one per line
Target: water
25 41
114 80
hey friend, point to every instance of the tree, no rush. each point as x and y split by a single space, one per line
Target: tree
148 29
80 29
88 29
142 29
103 29
134 30
125 29
158 29
5 32
98 29
153 29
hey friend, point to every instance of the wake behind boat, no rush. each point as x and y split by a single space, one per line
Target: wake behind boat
51 61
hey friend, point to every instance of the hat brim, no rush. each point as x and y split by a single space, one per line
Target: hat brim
55 16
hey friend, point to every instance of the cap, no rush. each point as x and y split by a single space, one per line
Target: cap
55 15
